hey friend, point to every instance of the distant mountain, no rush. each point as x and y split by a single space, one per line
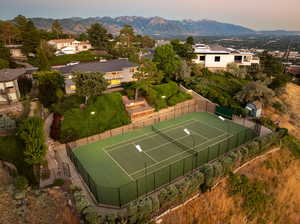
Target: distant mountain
156 26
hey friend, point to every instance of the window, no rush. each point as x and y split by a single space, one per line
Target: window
217 58
202 58
238 58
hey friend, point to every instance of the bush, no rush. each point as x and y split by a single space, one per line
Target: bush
58 182
21 183
79 123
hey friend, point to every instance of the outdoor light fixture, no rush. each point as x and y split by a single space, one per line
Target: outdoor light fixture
163 97
187 131
222 118
138 147
93 113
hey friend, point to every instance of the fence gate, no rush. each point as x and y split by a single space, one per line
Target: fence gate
224 112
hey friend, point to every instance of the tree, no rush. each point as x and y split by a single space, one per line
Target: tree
190 40
255 91
50 86
146 75
127 37
5 58
4 63
185 70
30 38
184 50
98 36
89 84
9 32
43 62
57 29
32 133
270 65
237 71
167 60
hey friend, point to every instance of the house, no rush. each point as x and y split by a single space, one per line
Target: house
9 88
115 71
255 109
294 69
70 46
16 51
216 57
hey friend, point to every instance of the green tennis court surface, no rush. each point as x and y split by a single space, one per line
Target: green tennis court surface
115 165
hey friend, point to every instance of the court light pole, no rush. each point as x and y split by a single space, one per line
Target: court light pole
89 119
227 124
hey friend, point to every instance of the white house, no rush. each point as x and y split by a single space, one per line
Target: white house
218 57
70 46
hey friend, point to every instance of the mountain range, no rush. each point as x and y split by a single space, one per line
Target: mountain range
158 26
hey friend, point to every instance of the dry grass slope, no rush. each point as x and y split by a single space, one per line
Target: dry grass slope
280 171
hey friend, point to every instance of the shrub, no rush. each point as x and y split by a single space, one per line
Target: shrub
21 183
58 182
208 171
218 169
155 203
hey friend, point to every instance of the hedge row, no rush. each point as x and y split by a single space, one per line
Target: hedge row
141 210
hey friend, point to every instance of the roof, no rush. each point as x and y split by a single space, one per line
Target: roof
7 74
108 66
62 40
216 49
295 70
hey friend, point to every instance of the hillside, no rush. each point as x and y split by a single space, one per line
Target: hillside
278 172
159 27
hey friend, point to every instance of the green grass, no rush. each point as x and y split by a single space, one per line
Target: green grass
164 95
79 123
114 162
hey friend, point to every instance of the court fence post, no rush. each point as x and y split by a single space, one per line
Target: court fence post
207 154
137 188
119 192
183 167
170 173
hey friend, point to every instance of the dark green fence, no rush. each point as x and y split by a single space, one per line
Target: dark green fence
135 189
224 112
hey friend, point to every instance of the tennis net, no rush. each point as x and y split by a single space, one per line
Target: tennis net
172 140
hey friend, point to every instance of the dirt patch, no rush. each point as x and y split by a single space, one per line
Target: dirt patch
290 119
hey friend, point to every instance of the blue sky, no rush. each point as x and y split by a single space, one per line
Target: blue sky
255 14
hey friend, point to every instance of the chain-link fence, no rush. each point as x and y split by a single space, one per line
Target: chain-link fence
150 182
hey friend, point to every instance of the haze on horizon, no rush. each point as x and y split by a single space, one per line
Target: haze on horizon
255 14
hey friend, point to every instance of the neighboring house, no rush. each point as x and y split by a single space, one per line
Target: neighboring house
9 88
115 71
294 69
16 51
70 46
218 57
255 109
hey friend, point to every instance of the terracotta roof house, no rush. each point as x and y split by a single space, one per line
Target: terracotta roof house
115 71
70 46
218 57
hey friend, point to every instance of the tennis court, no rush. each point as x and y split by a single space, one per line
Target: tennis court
121 168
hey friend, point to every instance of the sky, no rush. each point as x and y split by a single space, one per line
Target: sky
255 14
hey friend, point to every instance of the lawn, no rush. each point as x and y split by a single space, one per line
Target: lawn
102 113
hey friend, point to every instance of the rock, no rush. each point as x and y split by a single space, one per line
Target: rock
19 195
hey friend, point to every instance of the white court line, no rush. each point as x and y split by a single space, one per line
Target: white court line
147 154
119 166
184 152
114 147
184 157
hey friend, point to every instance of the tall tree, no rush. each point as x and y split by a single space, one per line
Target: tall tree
5 56
146 75
127 36
255 91
9 33
30 38
167 60
43 62
50 86
184 50
98 36
32 133
89 84
57 29
190 40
